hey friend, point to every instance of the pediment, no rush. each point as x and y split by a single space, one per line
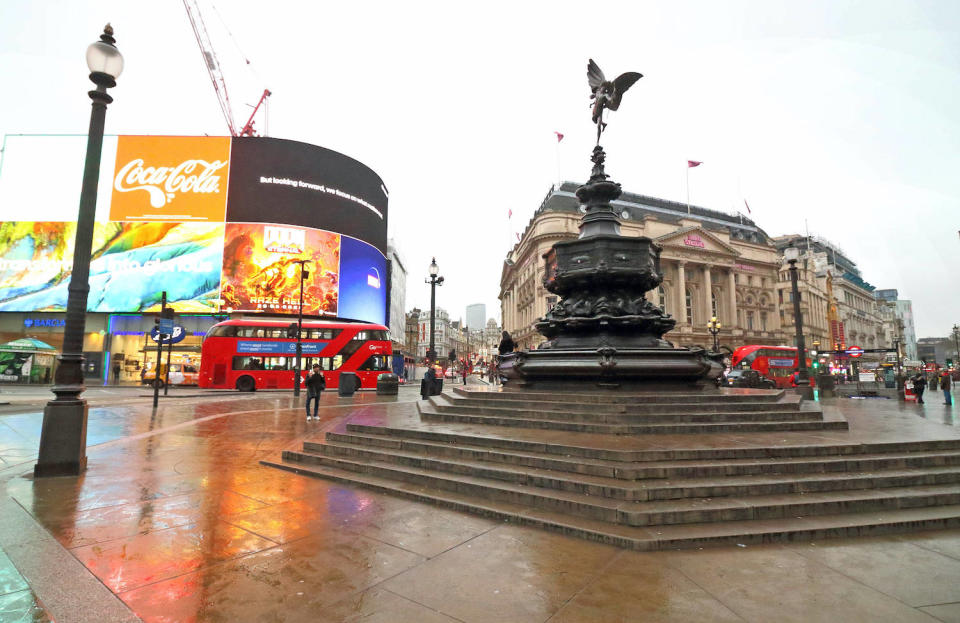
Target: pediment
697 239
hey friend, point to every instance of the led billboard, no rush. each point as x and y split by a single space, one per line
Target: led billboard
193 217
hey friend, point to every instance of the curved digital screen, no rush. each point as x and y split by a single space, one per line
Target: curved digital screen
218 223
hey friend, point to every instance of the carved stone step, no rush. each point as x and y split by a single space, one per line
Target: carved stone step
616 397
654 538
629 470
570 444
779 415
429 412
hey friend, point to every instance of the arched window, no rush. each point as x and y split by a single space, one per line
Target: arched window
662 299
689 307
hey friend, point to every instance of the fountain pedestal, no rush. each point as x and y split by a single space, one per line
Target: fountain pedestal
603 331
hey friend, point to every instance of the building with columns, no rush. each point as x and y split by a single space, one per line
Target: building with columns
713 263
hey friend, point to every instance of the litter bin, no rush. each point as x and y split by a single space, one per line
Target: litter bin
437 387
348 384
387 384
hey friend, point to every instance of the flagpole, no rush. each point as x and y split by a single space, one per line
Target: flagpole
688 188
559 179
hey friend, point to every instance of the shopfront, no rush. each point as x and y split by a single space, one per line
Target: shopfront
129 347
108 340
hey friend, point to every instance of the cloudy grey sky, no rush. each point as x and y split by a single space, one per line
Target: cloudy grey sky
836 113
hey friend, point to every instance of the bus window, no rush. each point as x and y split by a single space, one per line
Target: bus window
248 363
277 363
376 362
224 331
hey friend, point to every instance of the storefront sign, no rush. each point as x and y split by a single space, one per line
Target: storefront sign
260 347
44 322
693 240
178 334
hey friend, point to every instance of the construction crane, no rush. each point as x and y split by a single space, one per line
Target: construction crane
216 74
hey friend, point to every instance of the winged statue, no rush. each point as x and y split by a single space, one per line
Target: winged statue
606 93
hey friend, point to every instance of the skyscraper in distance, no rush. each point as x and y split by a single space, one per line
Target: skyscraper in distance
476 315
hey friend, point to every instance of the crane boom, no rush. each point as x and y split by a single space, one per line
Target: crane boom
211 62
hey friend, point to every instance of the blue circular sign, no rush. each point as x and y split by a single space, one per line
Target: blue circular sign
178 334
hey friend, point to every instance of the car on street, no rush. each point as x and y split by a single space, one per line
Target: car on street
748 378
180 374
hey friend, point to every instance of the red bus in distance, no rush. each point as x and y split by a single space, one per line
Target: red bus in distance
253 354
776 363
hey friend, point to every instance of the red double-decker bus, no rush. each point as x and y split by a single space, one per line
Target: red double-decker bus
257 354
776 363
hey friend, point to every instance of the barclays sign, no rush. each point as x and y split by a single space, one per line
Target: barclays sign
44 322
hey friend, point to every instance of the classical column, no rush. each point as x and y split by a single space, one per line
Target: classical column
681 293
732 294
708 291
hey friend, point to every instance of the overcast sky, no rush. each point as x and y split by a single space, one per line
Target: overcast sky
842 116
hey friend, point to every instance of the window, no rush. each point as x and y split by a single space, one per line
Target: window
376 362
780 292
689 307
750 320
763 321
662 299
224 331
713 303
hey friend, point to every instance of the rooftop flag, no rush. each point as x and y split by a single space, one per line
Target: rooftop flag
559 136
693 163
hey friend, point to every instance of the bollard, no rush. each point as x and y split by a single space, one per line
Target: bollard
348 384
388 384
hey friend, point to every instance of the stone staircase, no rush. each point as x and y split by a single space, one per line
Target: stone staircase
576 475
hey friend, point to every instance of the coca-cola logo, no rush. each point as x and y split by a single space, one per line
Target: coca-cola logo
163 184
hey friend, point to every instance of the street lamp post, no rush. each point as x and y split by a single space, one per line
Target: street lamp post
792 254
304 274
434 281
956 341
63 438
714 328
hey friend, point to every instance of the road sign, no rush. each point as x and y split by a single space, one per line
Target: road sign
165 326
178 333
854 351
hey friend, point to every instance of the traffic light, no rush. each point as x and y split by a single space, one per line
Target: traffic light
816 364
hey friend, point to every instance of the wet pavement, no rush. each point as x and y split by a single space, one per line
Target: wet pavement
175 520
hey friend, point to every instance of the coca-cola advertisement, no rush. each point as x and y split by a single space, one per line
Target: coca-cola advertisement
217 222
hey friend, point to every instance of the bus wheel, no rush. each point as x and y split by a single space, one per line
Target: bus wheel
246 384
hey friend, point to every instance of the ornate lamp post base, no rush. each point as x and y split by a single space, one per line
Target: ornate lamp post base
63 451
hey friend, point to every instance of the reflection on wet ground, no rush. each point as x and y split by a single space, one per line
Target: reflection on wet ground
176 517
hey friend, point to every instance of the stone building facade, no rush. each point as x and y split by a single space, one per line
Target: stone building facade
714 264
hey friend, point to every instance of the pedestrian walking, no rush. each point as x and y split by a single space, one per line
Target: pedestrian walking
934 382
919 384
464 374
315 384
116 373
945 386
